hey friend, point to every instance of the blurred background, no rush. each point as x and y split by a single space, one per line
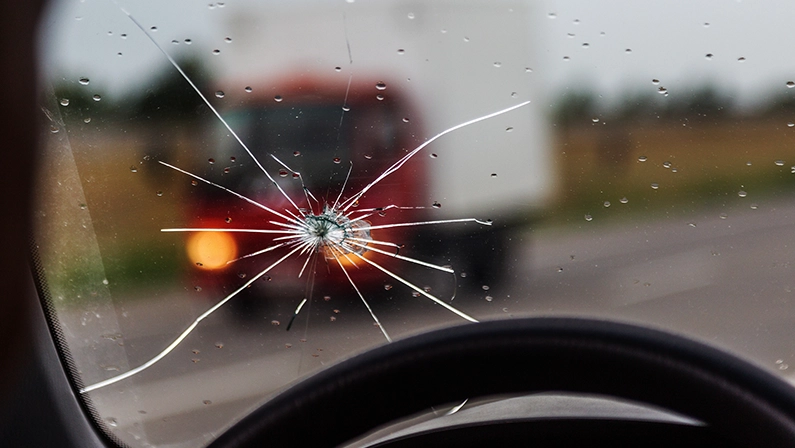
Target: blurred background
649 179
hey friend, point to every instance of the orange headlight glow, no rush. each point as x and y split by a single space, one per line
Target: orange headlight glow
211 250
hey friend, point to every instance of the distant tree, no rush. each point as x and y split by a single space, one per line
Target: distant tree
573 107
167 96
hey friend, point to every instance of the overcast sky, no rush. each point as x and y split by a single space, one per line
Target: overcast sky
610 47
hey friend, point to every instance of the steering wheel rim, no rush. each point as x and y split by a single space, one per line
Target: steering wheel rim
738 400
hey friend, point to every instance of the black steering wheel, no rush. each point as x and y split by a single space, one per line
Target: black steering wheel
736 400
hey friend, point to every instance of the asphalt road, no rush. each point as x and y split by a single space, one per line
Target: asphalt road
724 276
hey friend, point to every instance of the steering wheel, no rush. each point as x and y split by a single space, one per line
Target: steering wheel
736 400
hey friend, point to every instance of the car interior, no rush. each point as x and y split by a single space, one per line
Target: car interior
397 224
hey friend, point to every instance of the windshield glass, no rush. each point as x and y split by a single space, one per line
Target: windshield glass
235 194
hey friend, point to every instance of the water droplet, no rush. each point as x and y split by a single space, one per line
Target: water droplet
595 120
433 155
194 183
228 219
586 45
332 318
410 16
493 174
436 204
779 163
466 39
666 164
528 70
754 206
552 15
628 50
566 59
691 224
709 56
463 275
560 269
387 287
792 169
337 69
54 129
401 51
514 95
723 216
195 351
655 81
346 108
655 186
277 98
741 59
219 94
415 293
706 24
489 298
275 323
133 169
233 159
380 85
642 159
112 422
368 156
159 193
175 41
188 41
83 207
64 102
662 91
87 120
623 200
96 97
219 345
790 84
211 161
327 298
509 129
283 172
228 39
153 29
405 120
588 218
83 81
248 89
288 345
216 52
606 204
498 64
336 160
570 35
118 54
742 194
790 124
207 402
123 36
379 97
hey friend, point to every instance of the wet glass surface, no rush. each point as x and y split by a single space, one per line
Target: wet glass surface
237 194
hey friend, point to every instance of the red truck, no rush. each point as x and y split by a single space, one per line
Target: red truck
339 138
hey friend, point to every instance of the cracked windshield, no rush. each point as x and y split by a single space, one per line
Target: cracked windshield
235 195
